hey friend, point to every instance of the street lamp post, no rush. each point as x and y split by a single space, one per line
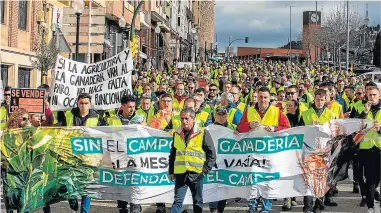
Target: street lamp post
157 31
78 6
122 24
193 31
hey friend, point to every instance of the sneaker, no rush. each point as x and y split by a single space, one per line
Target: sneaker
363 202
160 210
287 204
252 210
356 188
316 210
330 202
370 210
294 203
213 210
264 211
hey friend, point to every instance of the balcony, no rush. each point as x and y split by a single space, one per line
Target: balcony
165 26
189 14
145 21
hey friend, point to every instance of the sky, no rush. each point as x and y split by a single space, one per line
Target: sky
267 23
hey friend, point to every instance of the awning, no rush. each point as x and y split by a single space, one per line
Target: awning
142 55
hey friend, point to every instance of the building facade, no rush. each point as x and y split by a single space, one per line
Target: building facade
19 28
206 28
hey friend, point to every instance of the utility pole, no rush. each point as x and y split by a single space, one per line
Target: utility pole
347 58
89 40
316 22
289 52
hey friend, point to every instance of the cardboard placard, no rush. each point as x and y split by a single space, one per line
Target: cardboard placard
33 100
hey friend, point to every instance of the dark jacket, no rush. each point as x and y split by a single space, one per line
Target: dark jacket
207 146
294 119
79 121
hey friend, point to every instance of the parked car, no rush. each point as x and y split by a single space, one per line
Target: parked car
373 76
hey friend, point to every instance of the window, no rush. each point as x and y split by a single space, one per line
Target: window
178 21
23 9
4 74
24 77
2 10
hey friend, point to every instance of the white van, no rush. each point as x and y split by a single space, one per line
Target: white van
373 76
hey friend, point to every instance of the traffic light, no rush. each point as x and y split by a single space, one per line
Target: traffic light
246 40
134 47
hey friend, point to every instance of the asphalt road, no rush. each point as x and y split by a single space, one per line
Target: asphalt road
348 202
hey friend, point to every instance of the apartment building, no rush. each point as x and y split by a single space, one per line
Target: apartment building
18 37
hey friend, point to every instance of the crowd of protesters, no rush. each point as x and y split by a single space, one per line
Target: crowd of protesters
240 95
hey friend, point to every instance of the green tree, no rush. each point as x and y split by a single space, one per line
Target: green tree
46 53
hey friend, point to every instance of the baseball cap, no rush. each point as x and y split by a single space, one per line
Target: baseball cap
221 110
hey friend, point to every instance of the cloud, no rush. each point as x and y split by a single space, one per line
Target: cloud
268 22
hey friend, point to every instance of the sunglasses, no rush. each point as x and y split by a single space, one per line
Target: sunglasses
358 93
290 93
7 94
25 119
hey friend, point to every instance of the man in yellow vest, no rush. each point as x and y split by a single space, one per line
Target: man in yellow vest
332 104
126 116
269 116
220 118
146 109
227 101
370 147
318 114
82 115
236 92
200 94
276 85
178 98
192 156
202 119
4 107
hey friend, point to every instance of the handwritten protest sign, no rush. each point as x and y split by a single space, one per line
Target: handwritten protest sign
30 99
106 81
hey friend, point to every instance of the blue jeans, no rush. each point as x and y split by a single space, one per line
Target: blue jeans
85 204
181 186
253 204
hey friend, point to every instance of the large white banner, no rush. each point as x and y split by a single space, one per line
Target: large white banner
131 163
106 81
294 162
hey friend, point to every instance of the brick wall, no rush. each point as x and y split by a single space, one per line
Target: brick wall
36 6
206 30
13 23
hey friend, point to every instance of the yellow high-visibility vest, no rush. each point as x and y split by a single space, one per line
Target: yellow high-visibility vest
336 108
3 117
310 116
231 115
191 157
241 106
89 122
275 91
269 119
372 138
200 120
147 116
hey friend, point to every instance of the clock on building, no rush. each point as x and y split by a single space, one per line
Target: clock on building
314 18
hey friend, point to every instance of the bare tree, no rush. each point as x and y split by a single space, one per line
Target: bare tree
332 33
46 54
334 30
